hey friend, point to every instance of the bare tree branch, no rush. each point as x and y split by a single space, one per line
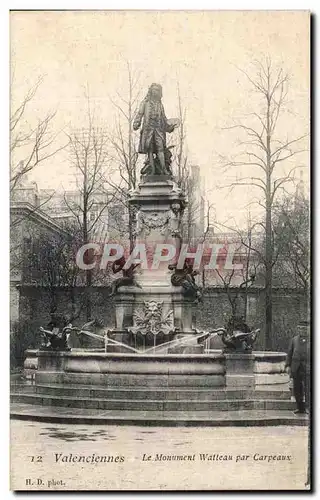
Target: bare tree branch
36 145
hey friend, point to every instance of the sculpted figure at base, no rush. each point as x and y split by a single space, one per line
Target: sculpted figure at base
185 277
127 279
55 339
154 128
55 336
238 337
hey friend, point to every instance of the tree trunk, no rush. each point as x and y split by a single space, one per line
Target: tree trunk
203 277
269 243
245 307
131 227
88 294
247 273
268 265
88 272
72 298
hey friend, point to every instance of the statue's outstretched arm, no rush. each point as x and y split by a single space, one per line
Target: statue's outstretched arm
139 115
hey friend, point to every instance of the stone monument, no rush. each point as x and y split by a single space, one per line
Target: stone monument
153 345
157 307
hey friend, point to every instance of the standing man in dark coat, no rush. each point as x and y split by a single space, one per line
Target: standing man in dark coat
298 366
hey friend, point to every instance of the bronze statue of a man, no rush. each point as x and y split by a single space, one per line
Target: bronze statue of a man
154 128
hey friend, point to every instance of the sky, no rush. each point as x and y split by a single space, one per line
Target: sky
204 51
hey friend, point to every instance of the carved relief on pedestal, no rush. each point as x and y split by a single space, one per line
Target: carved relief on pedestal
134 219
148 221
175 218
152 319
167 220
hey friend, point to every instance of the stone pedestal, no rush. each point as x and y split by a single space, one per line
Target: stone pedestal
159 204
156 310
129 300
240 370
124 301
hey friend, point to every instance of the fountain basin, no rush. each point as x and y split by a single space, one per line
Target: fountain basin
152 370
126 369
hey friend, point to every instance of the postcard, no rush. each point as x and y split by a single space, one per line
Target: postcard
160 250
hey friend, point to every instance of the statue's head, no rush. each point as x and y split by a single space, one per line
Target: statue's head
155 92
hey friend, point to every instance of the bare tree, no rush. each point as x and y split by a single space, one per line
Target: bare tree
124 152
264 151
206 232
88 150
187 179
230 278
30 146
226 280
249 273
51 262
292 242
182 157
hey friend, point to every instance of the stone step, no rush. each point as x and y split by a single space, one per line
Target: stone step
157 394
244 418
151 405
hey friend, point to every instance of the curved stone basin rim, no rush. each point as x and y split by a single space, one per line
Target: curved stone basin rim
277 356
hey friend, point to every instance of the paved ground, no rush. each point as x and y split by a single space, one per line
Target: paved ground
244 458
211 418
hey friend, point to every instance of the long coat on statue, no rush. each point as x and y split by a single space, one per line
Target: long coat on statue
154 128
